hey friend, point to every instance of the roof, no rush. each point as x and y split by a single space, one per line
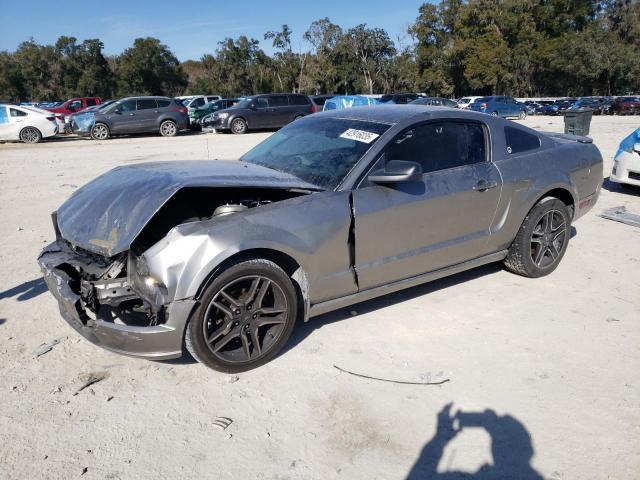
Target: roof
393 114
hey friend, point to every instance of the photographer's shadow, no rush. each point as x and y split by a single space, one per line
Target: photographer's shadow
510 446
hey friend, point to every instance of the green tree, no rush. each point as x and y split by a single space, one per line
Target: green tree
149 68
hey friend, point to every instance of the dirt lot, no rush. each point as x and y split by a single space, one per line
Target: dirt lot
549 366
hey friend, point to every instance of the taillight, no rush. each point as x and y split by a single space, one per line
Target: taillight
179 109
51 119
314 109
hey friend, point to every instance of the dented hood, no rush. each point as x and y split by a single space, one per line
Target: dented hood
107 214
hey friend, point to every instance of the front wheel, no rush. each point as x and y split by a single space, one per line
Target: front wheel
30 135
100 131
238 126
245 317
541 241
168 128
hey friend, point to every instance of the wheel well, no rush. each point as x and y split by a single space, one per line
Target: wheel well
238 118
284 261
563 195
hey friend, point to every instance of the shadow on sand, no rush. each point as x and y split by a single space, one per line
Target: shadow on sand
511 448
26 291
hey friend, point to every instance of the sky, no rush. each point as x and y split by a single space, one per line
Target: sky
191 29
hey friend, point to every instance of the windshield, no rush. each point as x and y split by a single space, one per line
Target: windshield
320 151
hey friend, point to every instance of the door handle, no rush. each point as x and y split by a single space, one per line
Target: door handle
483 185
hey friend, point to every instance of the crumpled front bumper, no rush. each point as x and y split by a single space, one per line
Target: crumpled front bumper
158 342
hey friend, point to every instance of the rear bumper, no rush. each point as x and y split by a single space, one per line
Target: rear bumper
157 342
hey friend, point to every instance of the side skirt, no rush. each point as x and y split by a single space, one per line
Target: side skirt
335 304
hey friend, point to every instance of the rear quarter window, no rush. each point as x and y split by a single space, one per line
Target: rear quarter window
164 103
298 100
520 141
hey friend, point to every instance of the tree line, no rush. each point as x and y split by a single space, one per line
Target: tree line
454 48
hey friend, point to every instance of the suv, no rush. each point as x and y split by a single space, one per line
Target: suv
133 115
272 110
499 106
199 100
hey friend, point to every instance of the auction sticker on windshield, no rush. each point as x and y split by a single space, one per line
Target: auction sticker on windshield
359 135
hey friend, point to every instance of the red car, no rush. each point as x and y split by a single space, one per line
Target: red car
70 107
626 106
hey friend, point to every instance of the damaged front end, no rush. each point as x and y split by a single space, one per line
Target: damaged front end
111 304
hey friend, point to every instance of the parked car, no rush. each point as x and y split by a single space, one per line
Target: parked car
626 163
27 124
532 107
499 106
197 115
319 100
398 98
71 106
435 102
199 100
272 110
626 106
464 102
340 102
133 115
587 103
558 107
225 257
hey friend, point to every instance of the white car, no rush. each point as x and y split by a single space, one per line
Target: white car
199 100
464 102
626 163
27 124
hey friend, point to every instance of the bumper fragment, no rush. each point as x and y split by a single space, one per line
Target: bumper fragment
154 342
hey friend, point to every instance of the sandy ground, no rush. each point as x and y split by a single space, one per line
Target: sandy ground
549 366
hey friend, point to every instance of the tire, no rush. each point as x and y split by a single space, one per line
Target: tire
494 114
231 331
238 126
522 115
168 128
539 246
100 131
30 135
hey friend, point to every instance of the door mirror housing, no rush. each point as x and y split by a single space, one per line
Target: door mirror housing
397 171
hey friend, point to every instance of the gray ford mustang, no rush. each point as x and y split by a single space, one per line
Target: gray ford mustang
223 257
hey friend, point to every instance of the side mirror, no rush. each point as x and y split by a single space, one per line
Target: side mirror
397 171
253 106
117 110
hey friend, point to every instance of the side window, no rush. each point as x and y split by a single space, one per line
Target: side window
261 102
519 140
298 100
198 102
75 105
163 103
146 104
17 113
278 101
128 106
439 146
91 102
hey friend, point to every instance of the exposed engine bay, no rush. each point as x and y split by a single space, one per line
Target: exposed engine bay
119 289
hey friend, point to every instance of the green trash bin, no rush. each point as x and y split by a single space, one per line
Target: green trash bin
578 122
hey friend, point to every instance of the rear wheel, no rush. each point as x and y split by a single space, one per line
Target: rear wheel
238 126
245 317
541 241
100 131
168 128
30 135
522 115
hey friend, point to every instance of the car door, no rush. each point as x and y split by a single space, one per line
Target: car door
410 228
280 111
147 115
123 118
260 114
7 131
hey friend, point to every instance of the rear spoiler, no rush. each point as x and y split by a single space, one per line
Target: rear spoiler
568 136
